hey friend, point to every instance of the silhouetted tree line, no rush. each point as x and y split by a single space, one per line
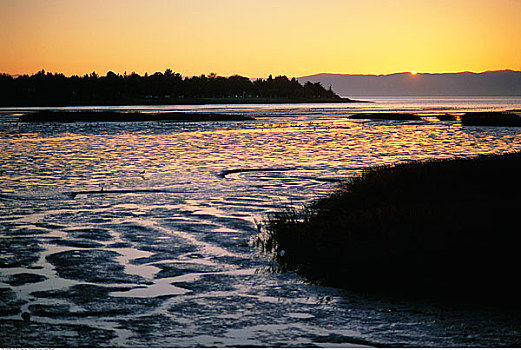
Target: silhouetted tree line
48 89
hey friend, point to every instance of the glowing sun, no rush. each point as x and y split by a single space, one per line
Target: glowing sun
413 72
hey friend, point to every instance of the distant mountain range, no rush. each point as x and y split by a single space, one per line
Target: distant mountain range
491 83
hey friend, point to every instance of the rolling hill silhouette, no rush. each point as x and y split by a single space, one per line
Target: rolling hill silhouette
490 83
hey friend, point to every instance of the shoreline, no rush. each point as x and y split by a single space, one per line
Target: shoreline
185 102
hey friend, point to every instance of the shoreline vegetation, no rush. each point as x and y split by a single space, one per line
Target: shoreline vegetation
490 119
45 89
486 119
112 116
436 229
467 119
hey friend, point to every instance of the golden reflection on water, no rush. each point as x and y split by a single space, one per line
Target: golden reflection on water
333 147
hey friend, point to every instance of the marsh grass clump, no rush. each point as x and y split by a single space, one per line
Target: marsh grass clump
490 119
428 228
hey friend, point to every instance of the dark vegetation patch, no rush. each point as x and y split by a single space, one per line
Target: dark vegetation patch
17 230
9 303
179 269
213 282
147 239
194 226
80 293
14 333
91 266
95 300
148 329
218 313
62 311
18 252
77 243
55 310
163 248
154 258
95 234
490 119
439 228
120 245
24 278
386 116
52 226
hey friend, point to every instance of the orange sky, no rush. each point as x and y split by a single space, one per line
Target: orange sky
257 38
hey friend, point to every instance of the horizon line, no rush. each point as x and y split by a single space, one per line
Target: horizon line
416 73
297 77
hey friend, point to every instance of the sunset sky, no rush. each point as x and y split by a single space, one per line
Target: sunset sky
257 38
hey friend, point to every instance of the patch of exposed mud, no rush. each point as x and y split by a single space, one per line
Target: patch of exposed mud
91 266
14 333
9 302
24 278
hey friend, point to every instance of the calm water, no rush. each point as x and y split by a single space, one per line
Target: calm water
138 234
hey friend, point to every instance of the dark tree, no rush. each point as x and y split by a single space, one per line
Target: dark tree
48 89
